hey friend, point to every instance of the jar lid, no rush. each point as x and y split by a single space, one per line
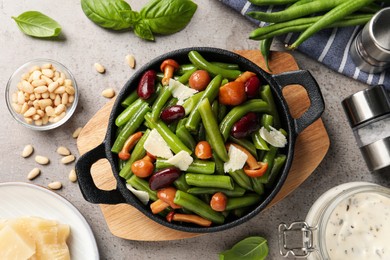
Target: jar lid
366 104
377 154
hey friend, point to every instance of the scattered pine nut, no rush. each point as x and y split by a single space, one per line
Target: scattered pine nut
76 132
99 68
68 159
27 151
130 60
56 185
72 176
33 173
62 150
108 93
42 159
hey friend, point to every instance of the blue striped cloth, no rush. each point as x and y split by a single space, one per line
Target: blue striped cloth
330 46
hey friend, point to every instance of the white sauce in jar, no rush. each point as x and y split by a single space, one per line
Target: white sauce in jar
359 228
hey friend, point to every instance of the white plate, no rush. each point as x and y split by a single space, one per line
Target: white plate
22 199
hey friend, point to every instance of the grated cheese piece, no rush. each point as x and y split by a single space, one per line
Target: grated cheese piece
237 159
143 196
273 137
181 160
156 145
180 91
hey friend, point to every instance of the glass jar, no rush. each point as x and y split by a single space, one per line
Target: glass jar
349 221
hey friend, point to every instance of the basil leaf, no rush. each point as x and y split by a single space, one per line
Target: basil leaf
131 17
168 16
106 13
142 30
36 24
250 248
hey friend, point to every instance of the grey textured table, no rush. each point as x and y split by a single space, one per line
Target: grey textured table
83 44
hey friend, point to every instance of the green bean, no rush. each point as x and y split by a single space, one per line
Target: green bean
337 13
185 137
121 164
172 126
137 154
236 192
222 110
241 179
191 102
171 102
172 140
213 181
130 127
201 132
268 158
130 99
253 105
214 108
240 212
266 95
272 2
186 76
258 187
197 166
143 185
284 132
276 168
218 164
181 184
296 11
246 144
187 67
128 113
201 63
259 142
159 103
210 124
197 206
211 92
300 2
244 201
265 47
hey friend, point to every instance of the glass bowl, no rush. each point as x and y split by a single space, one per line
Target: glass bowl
43 118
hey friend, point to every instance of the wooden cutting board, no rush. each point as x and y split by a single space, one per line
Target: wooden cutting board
126 222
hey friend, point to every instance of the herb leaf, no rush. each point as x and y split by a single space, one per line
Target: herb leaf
131 17
142 30
168 16
250 248
107 13
36 24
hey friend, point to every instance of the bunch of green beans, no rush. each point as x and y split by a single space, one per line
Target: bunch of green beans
205 119
308 17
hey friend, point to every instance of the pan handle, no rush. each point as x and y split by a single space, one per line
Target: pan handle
87 186
317 104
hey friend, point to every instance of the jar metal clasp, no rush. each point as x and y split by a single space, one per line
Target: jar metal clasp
296 239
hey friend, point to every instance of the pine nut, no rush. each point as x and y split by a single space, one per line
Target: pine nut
38 122
59 109
42 159
41 113
38 95
28 120
70 90
48 73
35 75
57 100
21 100
27 87
52 86
130 60
77 132
70 99
56 75
99 68
17 107
49 111
62 76
68 159
38 82
27 151
62 150
61 116
40 89
30 112
64 98
34 68
36 117
24 108
56 185
33 173
43 103
72 176
60 81
60 90
45 119
52 96
46 66
25 76
36 103
32 97
68 82
108 93
47 79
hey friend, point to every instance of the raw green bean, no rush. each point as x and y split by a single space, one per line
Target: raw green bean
186 137
213 181
268 158
253 105
191 102
130 127
128 113
258 187
211 125
259 142
201 63
211 92
241 179
159 103
181 184
197 166
197 206
244 201
201 133
276 168
266 95
137 154
186 76
218 164
141 184
236 192
265 47
172 140
130 99
296 11
222 110
337 13
246 144
272 2
300 2
214 108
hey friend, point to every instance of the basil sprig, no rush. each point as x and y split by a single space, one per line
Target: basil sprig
36 24
250 248
158 16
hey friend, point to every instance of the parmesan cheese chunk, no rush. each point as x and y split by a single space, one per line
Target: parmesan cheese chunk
180 91
273 137
157 146
237 159
12 246
181 160
143 196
